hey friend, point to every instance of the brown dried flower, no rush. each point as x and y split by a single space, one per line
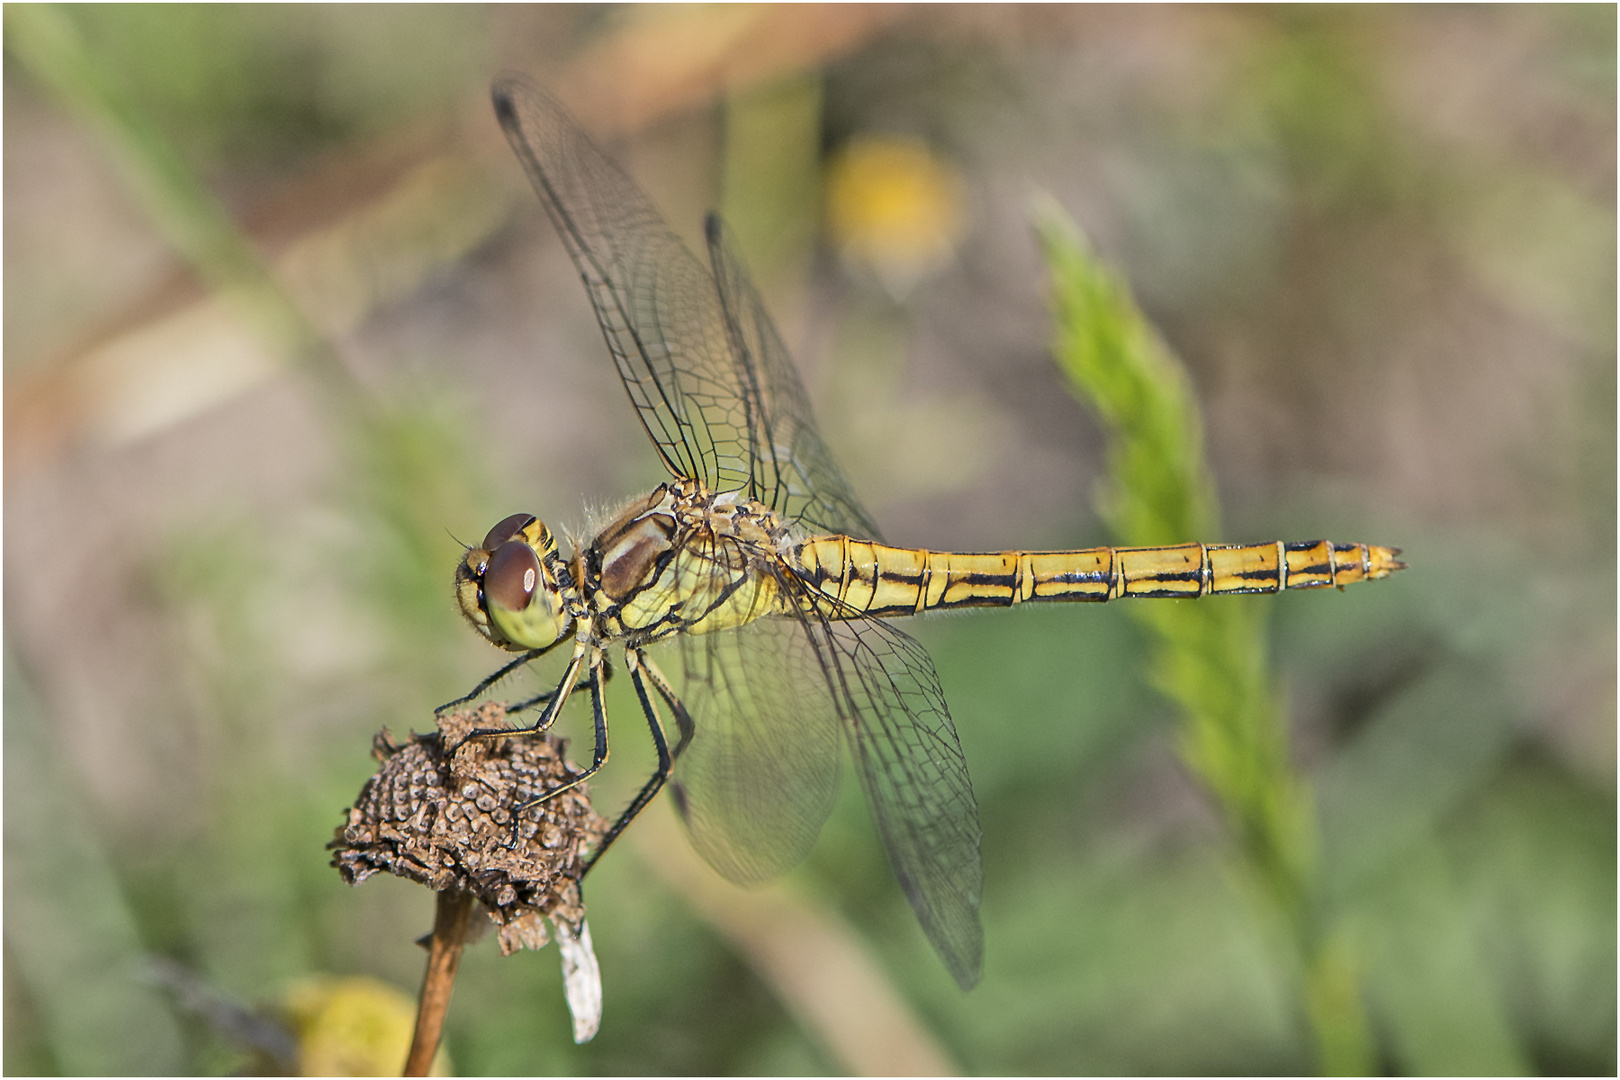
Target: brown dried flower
448 824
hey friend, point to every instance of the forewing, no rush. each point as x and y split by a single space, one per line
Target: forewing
792 469
692 370
656 303
915 777
758 779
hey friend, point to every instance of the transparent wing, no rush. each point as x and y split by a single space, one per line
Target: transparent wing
698 355
758 779
757 782
915 778
792 469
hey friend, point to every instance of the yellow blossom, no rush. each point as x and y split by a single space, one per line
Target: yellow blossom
894 207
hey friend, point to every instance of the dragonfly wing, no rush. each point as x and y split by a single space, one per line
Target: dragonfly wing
768 701
792 469
758 779
656 303
698 355
915 778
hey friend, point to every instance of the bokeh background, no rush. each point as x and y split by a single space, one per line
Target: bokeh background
1382 240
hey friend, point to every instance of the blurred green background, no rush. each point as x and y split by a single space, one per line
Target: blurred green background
1382 240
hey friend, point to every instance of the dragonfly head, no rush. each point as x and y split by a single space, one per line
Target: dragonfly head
508 586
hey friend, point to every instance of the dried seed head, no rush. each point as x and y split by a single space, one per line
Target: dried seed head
449 823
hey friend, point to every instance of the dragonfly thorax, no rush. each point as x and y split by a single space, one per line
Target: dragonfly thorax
681 560
512 586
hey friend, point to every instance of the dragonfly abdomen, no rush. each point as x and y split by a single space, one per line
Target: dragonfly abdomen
874 579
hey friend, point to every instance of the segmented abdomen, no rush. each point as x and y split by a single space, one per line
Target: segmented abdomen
874 579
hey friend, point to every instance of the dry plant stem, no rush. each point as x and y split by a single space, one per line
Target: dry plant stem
818 967
453 910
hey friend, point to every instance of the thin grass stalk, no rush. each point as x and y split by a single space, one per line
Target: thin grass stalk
45 39
1209 657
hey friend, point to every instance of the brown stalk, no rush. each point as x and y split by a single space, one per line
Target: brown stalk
451 915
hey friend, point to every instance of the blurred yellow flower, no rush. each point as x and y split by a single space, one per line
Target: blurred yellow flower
352 1026
894 207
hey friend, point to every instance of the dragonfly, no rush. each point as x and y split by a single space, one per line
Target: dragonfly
760 578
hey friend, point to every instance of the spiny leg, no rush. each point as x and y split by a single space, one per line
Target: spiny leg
546 695
599 722
542 698
556 699
504 670
638 663
683 719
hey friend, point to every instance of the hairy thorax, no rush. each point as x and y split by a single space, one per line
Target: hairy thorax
684 559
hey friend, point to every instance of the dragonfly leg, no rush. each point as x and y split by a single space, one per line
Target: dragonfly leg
546 695
504 670
639 666
599 722
683 719
555 701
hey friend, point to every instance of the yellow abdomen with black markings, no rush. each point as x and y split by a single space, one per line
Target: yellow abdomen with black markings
867 578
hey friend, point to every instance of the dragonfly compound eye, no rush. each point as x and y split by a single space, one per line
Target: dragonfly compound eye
520 599
505 529
512 576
